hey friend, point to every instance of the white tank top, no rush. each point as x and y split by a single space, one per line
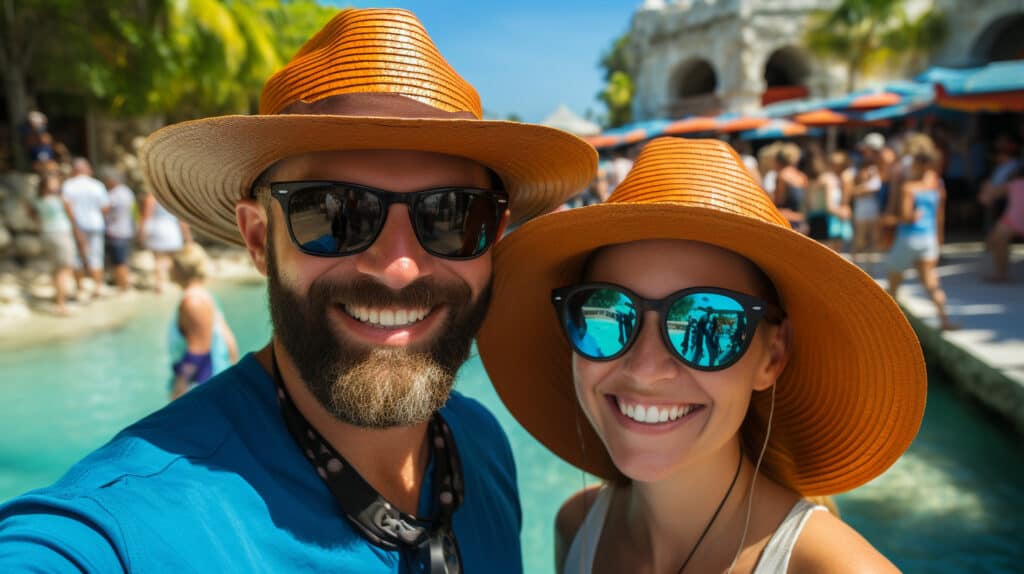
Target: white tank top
774 558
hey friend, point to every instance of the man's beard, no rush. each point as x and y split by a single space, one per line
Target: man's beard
370 386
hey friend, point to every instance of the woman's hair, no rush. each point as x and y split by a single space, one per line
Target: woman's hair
766 156
816 166
788 154
839 159
190 264
44 183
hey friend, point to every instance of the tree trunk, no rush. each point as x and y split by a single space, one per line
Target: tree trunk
17 110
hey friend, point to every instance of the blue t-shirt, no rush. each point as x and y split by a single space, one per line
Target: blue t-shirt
214 483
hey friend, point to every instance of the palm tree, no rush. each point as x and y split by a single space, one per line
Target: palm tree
867 33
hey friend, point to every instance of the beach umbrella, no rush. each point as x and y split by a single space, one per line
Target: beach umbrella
996 87
875 100
777 129
823 117
690 125
604 141
727 124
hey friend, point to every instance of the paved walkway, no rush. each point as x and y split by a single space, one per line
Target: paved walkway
986 354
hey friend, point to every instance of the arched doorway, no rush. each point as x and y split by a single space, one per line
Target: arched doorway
1003 39
692 89
785 75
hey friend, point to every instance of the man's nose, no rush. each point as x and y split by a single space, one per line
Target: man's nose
396 258
648 360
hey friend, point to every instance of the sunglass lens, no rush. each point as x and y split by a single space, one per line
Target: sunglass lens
333 219
456 223
600 321
707 330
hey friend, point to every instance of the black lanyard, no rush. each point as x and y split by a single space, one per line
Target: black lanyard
428 542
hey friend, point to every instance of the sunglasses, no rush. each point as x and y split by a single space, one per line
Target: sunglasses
706 328
335 219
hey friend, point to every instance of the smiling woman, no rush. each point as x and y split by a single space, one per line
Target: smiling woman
703 361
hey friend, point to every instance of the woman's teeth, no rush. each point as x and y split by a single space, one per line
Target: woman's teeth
654 414
388 317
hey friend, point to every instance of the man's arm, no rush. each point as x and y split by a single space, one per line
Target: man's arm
40 533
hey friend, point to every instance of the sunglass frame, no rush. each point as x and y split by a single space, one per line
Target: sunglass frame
285 191
755 308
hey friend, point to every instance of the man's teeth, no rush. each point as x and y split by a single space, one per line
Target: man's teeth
654 414
387 317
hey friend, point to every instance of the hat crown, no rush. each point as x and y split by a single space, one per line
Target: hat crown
698 173
370 51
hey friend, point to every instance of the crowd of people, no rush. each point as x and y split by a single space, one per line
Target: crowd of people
883 202
89 226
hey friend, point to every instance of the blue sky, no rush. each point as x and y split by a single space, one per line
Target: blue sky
525 56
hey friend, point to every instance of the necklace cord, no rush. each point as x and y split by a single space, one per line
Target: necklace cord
721 505
753 481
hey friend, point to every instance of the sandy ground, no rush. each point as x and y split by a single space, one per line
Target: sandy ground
110 311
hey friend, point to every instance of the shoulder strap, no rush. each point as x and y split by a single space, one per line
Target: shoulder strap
580 558
776 554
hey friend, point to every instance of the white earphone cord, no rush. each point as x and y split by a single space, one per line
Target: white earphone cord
753 481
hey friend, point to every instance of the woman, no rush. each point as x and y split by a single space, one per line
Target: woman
699 348
920 208
201 342
790 186
1010 224
60 236
163 234
827 214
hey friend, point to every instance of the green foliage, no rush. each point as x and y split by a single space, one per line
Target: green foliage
617 94
181 58
870 33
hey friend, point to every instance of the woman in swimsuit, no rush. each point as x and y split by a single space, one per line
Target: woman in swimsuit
716 368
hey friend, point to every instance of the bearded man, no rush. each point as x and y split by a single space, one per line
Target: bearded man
369 191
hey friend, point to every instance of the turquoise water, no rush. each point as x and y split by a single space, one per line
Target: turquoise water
952 504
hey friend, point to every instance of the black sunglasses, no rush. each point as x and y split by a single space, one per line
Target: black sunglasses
335 219
707 328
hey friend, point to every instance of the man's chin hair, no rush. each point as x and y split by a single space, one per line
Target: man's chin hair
366 386
389 388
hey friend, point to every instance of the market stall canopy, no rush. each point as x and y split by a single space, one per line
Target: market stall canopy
565 119
995 87
778 129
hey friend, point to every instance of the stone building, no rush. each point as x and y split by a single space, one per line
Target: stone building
712 56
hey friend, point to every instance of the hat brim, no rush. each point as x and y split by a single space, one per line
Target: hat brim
848 404
199 169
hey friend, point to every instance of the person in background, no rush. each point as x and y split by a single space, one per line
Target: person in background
742 147
120 224
61 237
200 340
163 234
865 200
1005 166
767 167
918 235
89 203
827 214
790 186
1010 224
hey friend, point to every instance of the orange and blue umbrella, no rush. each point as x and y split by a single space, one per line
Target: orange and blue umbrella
778 129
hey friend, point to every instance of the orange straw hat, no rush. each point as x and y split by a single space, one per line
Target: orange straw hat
370 79
851 398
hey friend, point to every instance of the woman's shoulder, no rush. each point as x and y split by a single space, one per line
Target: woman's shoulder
827 544
574 511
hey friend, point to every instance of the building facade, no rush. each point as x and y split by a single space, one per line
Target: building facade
713 56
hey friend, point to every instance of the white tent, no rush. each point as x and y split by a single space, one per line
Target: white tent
565 119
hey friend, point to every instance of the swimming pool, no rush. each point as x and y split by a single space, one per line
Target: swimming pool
951 504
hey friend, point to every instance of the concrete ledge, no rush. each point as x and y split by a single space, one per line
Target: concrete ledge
991 386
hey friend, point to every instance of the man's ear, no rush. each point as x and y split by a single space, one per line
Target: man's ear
779 344
252 221
504 222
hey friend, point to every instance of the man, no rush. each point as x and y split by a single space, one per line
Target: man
90 203
120 224
328 450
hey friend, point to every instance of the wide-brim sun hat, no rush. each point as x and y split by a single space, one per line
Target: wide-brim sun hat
370 79
852 395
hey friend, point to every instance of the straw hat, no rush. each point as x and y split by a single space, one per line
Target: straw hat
852 396
370 79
